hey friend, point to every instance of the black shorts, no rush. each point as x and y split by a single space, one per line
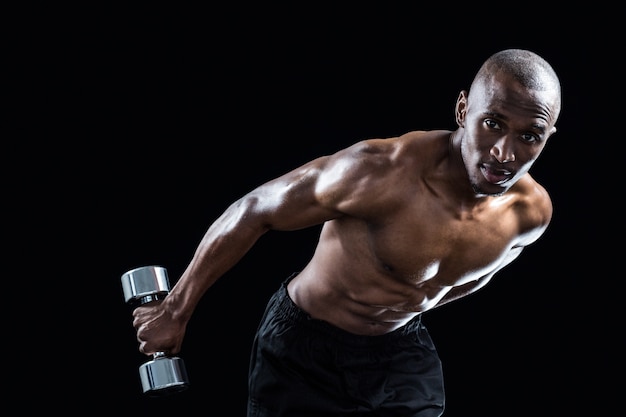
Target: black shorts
306 367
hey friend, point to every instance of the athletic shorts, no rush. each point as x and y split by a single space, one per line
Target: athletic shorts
302 367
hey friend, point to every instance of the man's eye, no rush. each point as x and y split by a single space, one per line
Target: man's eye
530 138
492 124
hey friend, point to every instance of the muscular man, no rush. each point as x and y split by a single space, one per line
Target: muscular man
409 223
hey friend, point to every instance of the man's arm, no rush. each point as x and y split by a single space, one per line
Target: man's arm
344 183
289 202
324 189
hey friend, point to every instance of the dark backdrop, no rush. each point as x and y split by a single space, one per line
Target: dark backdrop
161 118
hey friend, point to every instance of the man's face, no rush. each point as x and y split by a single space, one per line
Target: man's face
506 128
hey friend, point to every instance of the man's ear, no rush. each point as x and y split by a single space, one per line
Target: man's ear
461 108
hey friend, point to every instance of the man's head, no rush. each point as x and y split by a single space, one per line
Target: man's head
506 118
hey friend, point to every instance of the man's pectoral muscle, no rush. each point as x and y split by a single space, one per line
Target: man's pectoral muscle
462 290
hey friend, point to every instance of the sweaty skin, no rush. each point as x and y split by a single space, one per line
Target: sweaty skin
409 223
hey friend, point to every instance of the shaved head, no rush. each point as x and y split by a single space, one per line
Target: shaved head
527 68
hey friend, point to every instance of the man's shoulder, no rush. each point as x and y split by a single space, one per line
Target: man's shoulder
533 203
530 191
425 136
424 147
418 150
410 139
426 140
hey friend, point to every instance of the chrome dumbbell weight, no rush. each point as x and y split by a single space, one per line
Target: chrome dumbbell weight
163 374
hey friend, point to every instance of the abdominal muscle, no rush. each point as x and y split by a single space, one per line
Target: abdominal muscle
371 281
361 299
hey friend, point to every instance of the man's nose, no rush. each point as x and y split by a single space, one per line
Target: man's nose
503 150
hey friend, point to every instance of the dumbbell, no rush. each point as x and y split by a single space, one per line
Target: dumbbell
163 374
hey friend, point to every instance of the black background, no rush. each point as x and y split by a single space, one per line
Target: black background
151 122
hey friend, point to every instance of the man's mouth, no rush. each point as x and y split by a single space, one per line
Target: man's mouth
496 176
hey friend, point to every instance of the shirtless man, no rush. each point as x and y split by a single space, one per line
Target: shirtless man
409 223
